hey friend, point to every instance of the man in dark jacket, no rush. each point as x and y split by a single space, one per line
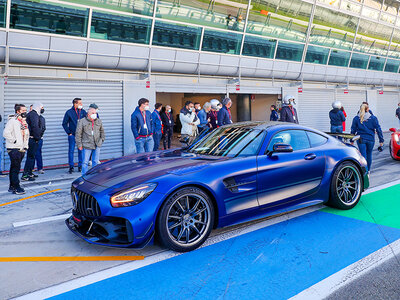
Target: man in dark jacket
156 125
398 113
288 112
224 114
70 121
167 118
274 114
337 117
141 126
38 155
35 134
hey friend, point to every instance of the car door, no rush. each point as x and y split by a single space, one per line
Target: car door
286 177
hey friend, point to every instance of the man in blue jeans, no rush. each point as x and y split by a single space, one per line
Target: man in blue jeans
337 117
141 126
70 121
157 125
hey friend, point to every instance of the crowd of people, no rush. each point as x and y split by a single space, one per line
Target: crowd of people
25 129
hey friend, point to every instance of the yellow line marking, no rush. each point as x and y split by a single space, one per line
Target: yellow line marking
26 198
70 258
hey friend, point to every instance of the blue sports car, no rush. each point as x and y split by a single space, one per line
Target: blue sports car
233 174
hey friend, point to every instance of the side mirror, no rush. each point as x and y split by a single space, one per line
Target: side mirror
281 148
392 129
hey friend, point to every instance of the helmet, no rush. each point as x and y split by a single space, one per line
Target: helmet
214 103
337 104
287 99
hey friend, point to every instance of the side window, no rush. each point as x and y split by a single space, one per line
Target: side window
296 138
316 139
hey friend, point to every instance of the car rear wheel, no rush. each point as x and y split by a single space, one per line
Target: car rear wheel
185 219
346 186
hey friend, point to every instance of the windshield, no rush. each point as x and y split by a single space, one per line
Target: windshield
230 141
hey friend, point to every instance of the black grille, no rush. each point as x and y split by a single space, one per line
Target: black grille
86 204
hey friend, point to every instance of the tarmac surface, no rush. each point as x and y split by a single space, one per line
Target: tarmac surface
307 247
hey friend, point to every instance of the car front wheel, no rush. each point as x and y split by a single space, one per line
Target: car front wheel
185 219
346 186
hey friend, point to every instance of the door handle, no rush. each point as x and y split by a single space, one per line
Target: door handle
310 156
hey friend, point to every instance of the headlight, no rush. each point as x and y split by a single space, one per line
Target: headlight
133 196
396 138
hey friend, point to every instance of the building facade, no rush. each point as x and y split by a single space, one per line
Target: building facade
114 52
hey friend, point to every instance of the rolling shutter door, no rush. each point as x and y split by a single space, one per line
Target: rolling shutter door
56 96
386 110
351 103
313 108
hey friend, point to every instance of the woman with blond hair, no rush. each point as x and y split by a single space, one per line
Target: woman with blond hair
365 125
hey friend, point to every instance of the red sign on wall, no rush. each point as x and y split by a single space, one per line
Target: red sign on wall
381 92
238 87
346 91
300 90
147 84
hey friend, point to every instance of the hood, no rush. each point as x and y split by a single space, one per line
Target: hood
129 171
366 116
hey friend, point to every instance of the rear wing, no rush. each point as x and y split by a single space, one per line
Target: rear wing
345 137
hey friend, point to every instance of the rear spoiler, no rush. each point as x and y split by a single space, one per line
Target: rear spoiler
346 137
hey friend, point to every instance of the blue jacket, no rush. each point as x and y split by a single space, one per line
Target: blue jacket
137 124
367 129
274 116
156 122
224 117
202 115
337 117
71 118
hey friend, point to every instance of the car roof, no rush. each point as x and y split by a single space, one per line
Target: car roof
264 125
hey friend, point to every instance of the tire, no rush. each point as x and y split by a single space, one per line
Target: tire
185 219
346 186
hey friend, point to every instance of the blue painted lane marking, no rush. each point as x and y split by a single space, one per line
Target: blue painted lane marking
276 262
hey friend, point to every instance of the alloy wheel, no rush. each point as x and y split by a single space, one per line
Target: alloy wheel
348 185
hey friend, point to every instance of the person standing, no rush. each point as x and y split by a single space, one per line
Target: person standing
398 113
70 121
202 115
189 122
157 125
365 125
89 138
337 117
274 114
141 127
33 121
2 174
16 134
224 114
38 154
213 114
288 112
197 107
345 115
167 118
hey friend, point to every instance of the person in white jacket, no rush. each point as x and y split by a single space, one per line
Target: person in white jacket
189 121
16 135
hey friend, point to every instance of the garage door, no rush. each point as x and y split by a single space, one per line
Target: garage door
56 96
314 106
386 110
351 103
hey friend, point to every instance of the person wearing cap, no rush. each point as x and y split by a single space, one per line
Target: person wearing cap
33 121
212 115
288 112
89 138
224 114
94 105
70 121
337 117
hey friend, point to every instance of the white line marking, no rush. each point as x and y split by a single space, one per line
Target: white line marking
347 275
127 267
130 266
41 220
381 187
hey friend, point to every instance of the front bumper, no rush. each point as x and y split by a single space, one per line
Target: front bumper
105 231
